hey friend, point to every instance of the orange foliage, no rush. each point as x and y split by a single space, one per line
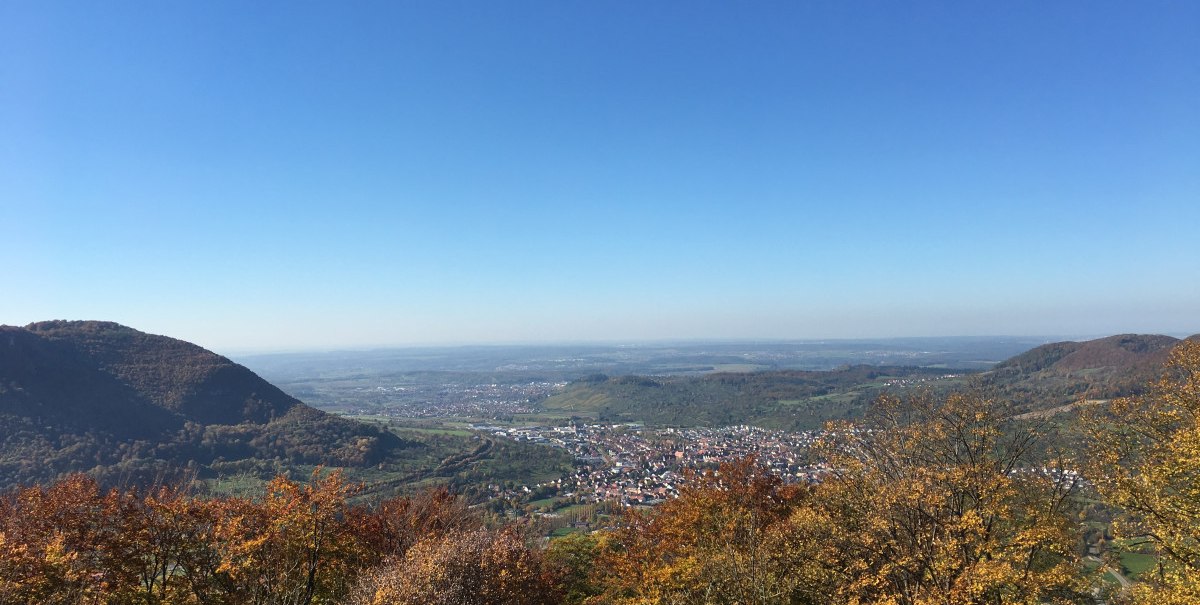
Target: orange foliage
935 502
390 528
725 539
475 567
73 542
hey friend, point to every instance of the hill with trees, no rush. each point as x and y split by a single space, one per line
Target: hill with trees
130 406
1064 373
793 399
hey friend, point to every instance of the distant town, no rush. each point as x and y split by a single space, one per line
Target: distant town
638 466
449 400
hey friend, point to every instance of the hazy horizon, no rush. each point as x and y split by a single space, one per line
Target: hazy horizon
314 177
633 342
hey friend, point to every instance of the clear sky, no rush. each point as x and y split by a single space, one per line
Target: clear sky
276 175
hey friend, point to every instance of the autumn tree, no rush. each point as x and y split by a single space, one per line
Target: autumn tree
725 539
1146 460
389 528
472 567
171 546
74 542
934 501
291 547
48 544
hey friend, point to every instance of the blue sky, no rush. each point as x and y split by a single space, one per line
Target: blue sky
320 175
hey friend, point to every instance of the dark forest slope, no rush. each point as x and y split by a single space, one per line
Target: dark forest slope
101 397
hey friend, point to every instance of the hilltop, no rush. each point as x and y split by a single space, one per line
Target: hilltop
130 406
1063 373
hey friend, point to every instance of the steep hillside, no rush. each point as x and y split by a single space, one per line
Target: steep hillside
101 397
1061 373
193 383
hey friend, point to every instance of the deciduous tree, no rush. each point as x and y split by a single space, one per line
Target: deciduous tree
725 539
1146 460
935 502
474 567
292 547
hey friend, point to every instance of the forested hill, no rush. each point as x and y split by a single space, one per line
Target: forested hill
101 397
1063 373
779 399
190 382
